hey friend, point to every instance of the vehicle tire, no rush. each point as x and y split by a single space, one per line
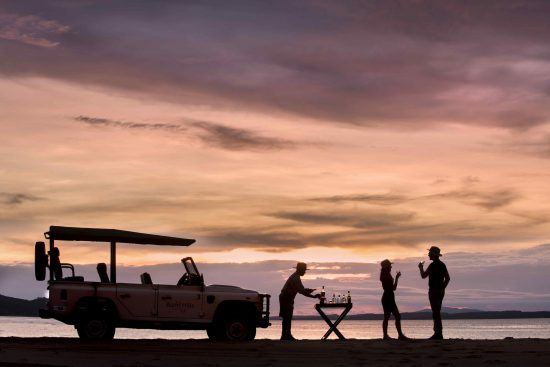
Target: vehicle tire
95 328
239 328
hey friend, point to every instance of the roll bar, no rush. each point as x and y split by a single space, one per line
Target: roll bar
113 236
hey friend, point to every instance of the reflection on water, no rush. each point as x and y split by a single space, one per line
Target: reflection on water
305 329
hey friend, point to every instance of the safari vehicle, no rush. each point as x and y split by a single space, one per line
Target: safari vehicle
97 308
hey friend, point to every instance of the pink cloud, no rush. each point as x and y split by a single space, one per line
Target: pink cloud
30 29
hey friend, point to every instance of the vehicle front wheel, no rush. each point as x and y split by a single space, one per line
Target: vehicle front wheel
95 328
239 329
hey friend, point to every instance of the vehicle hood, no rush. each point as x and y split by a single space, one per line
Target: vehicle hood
227 288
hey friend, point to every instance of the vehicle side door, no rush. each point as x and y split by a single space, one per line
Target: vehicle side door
180 303
137 300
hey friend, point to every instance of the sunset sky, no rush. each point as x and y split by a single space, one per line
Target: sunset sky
336 133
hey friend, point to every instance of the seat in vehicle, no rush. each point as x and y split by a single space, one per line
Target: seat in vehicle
102 272
55 263
57 267
146 278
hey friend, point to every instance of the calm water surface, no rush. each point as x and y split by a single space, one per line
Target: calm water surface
304 329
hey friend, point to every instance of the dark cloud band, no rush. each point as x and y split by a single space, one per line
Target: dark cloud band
378 64
489 200
10 198
210 133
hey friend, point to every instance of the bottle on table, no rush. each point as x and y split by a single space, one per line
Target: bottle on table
322 295
349 297
338 298
333 300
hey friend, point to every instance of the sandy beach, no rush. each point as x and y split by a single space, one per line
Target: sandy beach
159 352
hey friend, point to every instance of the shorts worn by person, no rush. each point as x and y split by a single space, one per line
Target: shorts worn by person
438 280
292 287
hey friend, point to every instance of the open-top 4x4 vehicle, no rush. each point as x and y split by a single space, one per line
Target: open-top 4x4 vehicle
97 308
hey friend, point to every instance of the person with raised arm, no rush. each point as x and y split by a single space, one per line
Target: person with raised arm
438 280
388 299
292 287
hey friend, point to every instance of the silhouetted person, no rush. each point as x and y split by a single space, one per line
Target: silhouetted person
388 299
55 263
102 272
292 287
439 278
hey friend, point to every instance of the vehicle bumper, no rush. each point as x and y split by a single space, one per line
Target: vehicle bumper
263 321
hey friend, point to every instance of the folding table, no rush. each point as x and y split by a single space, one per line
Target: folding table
333 326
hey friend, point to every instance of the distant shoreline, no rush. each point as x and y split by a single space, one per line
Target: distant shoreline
16 307
482 315
503 315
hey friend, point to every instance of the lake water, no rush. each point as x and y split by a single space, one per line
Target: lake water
305 329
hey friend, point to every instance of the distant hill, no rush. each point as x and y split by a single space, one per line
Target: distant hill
10 306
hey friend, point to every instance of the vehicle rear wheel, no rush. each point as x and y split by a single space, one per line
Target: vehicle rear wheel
95 328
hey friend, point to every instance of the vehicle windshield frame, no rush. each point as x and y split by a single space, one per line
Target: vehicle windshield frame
190 266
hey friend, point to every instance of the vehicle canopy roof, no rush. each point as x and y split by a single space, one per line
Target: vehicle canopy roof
113 235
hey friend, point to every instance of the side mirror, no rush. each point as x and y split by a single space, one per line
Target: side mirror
40 261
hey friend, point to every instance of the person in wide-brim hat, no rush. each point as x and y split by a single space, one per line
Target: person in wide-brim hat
438 280
435 251
388 299
292 287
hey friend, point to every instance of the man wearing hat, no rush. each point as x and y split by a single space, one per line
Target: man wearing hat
439 278
292 287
